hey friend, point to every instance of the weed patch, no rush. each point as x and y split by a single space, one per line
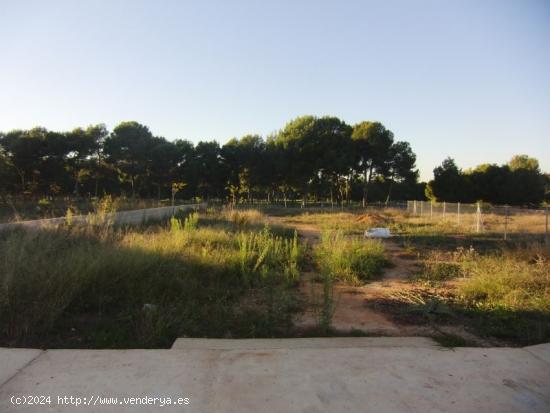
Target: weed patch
350 260
108 287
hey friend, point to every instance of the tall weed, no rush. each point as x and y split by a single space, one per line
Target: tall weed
351 260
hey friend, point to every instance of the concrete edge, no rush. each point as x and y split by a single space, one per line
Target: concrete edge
540 351
301 343
14 360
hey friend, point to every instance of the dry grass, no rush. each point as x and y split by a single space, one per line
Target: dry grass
525 223
513 280
503 293
500 290
347 222
105 287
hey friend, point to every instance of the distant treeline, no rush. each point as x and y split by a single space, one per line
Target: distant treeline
519 182
310 158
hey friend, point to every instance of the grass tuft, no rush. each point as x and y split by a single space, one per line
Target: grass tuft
351 260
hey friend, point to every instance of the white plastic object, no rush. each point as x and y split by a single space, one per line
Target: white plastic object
378 233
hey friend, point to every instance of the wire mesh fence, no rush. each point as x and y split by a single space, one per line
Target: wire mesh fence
483 218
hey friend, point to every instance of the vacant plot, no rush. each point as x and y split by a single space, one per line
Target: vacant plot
278 273
213 274
460 287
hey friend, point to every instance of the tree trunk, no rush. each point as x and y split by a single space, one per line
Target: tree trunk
365 188
389 191
367 183
22 177
132 183
75 191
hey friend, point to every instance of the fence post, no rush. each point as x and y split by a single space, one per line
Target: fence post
421 207
431 210
458 214
478 218
444 207
414 207
505 222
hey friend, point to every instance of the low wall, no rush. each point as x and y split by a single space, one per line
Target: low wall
133 217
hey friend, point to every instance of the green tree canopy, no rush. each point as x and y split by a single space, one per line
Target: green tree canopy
372 142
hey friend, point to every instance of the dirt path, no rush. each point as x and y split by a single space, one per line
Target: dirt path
358 307
352 311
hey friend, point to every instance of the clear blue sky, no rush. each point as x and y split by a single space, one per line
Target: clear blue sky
467 79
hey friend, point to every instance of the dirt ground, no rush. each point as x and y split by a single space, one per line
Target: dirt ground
364 309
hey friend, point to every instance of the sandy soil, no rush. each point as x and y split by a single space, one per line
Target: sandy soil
356 306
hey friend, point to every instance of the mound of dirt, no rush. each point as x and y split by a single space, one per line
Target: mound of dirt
373 219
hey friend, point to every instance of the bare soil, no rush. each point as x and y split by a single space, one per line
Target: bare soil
374 308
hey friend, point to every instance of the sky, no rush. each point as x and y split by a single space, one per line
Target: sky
466 79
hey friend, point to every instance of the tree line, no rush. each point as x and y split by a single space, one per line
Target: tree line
311 158
518 182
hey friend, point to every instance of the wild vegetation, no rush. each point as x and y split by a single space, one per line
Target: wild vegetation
101 286
351 260
496 290
224 272
503 293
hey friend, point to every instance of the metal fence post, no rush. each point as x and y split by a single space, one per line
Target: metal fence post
444 207
421 207
458 214
431 210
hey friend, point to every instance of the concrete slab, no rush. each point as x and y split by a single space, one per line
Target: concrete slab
294 343
95 376
366 379
381 380
542 351
12 360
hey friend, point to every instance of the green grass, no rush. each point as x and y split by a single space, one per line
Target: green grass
224 273
351 260
105 287
507 295
439 266
512 280
503 294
